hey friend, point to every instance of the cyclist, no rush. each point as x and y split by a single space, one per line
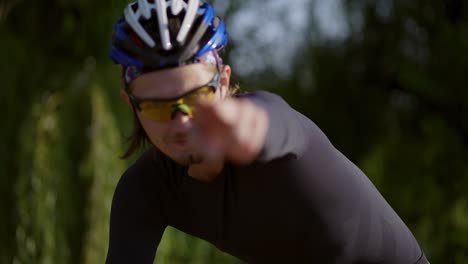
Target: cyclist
245 172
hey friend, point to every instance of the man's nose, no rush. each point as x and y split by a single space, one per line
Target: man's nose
181 121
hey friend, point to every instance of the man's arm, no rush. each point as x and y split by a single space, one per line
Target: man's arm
256 126
286 133
137 222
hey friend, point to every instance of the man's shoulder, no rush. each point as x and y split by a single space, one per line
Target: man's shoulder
265 99
259 93
150 169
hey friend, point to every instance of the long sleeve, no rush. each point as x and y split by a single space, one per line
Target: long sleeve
137 222
286 134
335 209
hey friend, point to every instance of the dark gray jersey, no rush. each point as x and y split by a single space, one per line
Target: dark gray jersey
301 201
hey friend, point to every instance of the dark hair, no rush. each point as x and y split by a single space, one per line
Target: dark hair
137 140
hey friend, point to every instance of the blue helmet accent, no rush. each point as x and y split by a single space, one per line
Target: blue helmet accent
120 57
119 32
217 41
117 55
156 42
209 14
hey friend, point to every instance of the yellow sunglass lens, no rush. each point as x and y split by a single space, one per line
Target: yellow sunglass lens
157 111
162 111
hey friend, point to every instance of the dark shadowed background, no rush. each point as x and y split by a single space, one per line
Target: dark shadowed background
386 80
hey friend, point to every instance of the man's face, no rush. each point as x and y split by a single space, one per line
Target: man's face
176 138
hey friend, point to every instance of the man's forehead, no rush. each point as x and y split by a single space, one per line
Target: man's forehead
187 72
171 82
211 58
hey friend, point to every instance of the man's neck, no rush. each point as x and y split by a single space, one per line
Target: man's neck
206 171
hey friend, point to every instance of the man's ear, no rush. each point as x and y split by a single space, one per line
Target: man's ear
124 96
225 80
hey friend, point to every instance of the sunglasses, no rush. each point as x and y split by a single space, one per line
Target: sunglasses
164 110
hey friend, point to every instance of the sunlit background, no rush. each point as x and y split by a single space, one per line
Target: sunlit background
384 79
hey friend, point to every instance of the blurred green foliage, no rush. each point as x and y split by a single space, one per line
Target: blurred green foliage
391 95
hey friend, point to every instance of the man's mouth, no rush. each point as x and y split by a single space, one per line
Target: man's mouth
195 159
180 142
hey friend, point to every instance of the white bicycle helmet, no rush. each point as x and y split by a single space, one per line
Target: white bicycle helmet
158 34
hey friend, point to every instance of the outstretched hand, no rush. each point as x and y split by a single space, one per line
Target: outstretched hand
233 129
